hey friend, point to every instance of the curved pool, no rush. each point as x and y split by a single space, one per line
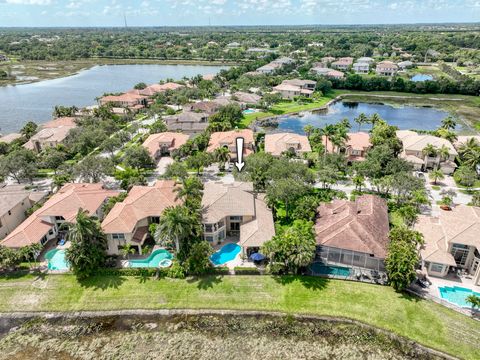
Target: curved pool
56 259
456 295
157 258
225 254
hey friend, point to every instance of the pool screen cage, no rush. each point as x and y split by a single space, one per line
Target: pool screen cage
353 259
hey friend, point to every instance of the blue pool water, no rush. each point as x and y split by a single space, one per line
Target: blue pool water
421 77
158 258
456 295
56 260
322 269
225 254
248 111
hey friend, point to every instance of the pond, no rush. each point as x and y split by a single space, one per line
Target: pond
421 77
36 101
405 117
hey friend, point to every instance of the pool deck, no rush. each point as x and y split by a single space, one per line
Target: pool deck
451 280
237 261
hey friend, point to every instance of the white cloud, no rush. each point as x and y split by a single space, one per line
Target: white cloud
29 2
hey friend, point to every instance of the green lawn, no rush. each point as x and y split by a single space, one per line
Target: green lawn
423 321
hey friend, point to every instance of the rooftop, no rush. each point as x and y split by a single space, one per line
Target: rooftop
276 144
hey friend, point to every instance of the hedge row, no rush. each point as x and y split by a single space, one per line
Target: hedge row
246 271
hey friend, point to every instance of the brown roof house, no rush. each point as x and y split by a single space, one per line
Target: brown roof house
342 63
353 233
154 89
207 107
247 98
452 240
187 122
9 138
128 221
164 143
277 144
414 144
233 212
43 224
51 134
14 202
386 68
355 148
228 139
289 89
130 100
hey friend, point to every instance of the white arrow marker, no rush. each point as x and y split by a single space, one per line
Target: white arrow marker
240 164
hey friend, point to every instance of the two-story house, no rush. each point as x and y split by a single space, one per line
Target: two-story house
289 89
343 63
227 139
51 134
162 144
187 122
355 148
386 68
280 143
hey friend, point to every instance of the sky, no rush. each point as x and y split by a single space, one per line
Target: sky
74 13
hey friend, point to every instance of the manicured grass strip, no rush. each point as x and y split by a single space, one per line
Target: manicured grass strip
422 321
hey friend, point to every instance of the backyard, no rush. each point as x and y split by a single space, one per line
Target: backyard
423 321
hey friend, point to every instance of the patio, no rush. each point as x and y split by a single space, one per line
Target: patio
240 259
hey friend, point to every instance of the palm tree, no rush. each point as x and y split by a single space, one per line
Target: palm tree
361 119
190 189
127 250
222 155
444 153
374 119
447 134
308 129
358 180
449 123
30 252
176 224
328 132
429 151
436 174
474 300
470 153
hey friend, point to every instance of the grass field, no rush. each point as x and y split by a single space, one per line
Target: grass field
423 321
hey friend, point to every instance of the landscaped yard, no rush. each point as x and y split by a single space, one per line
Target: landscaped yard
423 321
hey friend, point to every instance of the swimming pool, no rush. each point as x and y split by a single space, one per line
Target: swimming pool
56 260
249 111
456 295
322 269
421 77
158 258
225 254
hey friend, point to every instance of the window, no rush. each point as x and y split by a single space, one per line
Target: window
1 223
155 220
118 236
208 227
209 238
221 235
59 218
221 224
235 218
9 212
434 267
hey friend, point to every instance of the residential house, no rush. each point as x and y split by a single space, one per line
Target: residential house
43 225
282 61
403 65
268 68
343 63
187 122
207 107
234 212
233 45
289 89
162 144
414 144
128 221
260 50
353 233
327 60
361 67
9 138
228 139
14 202
366 60
247 98
335 74
132 101
452 241
154 89
277 144
355 148
51 134
386 68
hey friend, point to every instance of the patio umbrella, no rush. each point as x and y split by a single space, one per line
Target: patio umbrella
257 257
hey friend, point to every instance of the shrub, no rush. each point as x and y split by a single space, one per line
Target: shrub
176 271
239 270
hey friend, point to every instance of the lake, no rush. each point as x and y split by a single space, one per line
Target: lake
36 101
405 117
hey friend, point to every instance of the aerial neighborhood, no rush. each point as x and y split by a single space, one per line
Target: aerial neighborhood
292 163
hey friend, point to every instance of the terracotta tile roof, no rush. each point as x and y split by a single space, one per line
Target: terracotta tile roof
154 89
415 142
435 248
208 107
256 232
247 98
228 138
10 137
131 98
11 196
173 139
66 202
220 200
360 226
356 141
60 122
141 203
276 144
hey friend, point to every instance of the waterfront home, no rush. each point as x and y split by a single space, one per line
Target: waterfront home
187 122
463 139
260 50
51 134
247 98
289 89
162 144
343 63
227 139
335 74
413 151
207 107
353 233
14 203
233 45
327 60
277 144
234 212
452 241
43 225
355 148
9 138
365 60
128 221
131 101
386 68
154 89
403 65
361 67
